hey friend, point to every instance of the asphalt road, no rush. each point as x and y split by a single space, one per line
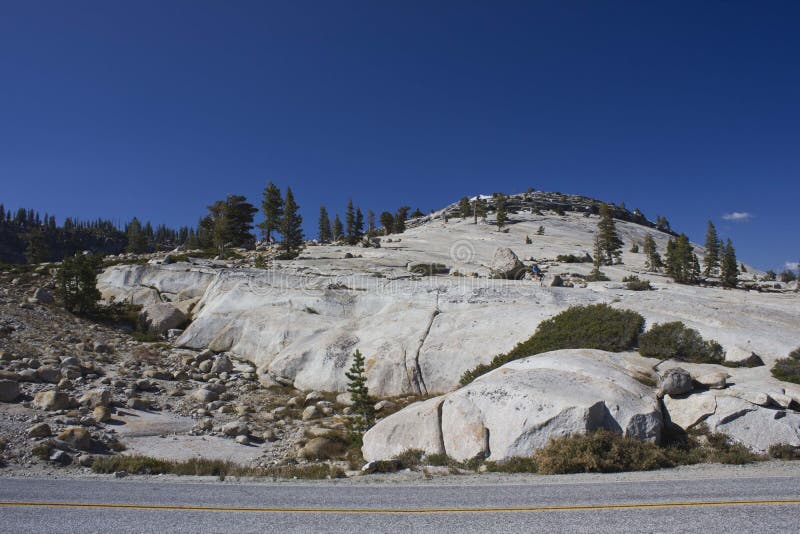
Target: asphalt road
707 505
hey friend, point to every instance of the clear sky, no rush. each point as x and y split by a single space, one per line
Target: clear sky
157 108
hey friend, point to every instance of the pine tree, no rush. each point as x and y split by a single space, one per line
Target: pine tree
400 219
610 243
500 202
359 226
291 226
729 275
711 257
231 222
338 229
540 230
653 261
479 208
363 408
38 249
350 223
137 243
682 263
596 275
272 208
76 283
464 209
387 222
370 222
324 225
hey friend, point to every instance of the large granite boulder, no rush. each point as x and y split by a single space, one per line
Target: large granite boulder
519 407
161 317
506 264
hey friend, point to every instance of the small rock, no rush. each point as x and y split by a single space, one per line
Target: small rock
120 474
235 428
85 460
39 430
138 403
101 414
713 380
294 402
205 366
95 397
51 401
311 412
222 364
49 374
314 397
76 437
204 395
384 405
42 296
243 440
675 381
269 435
60 458
9 390
345 399
102 348
322 449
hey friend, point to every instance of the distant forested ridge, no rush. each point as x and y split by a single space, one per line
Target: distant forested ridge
28 237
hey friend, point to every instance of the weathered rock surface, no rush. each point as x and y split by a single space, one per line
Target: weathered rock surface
519 407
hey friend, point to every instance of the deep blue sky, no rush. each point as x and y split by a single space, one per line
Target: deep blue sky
155 109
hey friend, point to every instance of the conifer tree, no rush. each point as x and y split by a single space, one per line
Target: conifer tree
370 222
137 243
479 208
729 275
338 229
387 221
596 275
76 283
682 263
272 208
363 407
653 261
324 225
610 243
464 209
359 225
291 226
37 250
231 222
350 223
400 219
711 257
500 202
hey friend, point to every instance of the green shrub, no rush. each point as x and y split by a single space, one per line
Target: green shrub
784 452
410 458
572 258
598 326
76 283
602 451
516 464
676 341
634 283
788 369
146 465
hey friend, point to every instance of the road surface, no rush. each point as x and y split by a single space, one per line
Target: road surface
760 504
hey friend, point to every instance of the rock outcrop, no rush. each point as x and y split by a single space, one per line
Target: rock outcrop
520 406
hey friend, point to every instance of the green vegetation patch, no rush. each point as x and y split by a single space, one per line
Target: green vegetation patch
788 369
598 326
678 342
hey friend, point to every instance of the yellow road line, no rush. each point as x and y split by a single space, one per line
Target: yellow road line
301 510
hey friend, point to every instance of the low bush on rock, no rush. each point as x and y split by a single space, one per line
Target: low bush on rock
676 341
572 258
634 283
598 326
784 452
788 369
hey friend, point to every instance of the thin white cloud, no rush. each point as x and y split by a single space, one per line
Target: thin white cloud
792 265
738 216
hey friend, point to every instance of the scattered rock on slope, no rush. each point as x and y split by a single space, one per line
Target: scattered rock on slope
506 264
